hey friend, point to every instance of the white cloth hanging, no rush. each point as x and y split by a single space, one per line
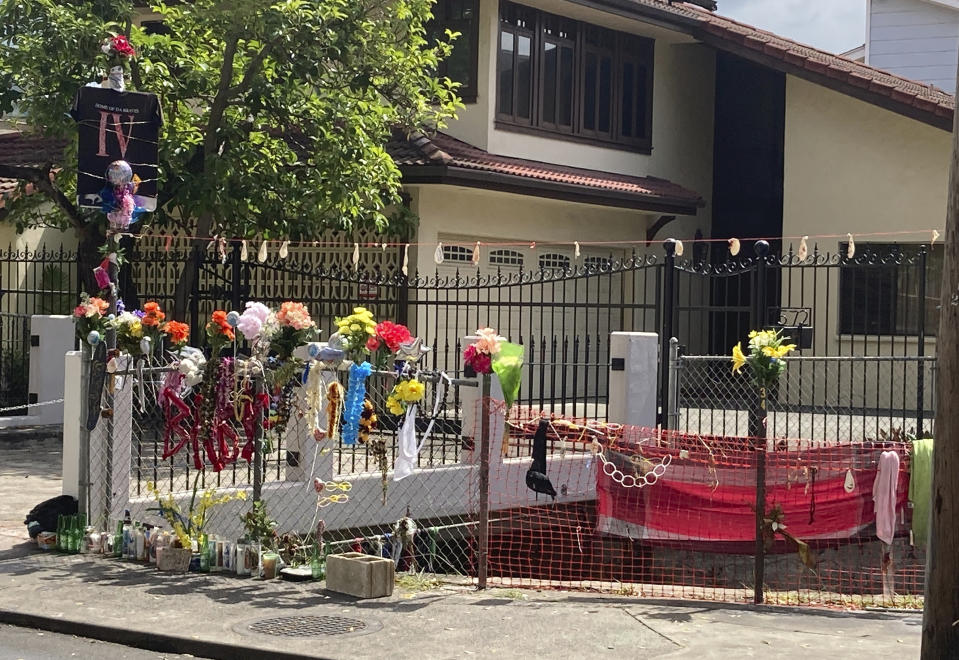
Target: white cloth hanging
407 450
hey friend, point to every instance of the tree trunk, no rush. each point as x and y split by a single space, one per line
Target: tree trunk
88 255
940 631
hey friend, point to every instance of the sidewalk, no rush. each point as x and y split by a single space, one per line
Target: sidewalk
210 615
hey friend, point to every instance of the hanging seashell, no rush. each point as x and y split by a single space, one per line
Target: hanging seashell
406 259
438 254
679 248
383 245
244 251
356 255
935 237
851 249
284 249
803 249
532 246
575 249
261 255
167 243
476 254
734 246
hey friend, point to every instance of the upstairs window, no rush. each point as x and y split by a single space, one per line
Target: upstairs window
515 64
562 76
459 16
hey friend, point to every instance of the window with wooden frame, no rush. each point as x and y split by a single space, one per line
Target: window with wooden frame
558 75
459 16
514 93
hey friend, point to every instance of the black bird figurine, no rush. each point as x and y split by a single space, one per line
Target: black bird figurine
536 479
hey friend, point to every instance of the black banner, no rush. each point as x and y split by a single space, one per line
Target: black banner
116 126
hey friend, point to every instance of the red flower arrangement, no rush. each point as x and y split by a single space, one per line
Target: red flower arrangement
389 334
121 46
481 363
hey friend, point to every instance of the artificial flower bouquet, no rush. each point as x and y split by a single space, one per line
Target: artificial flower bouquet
90 319
490 354
478 356
386 342
354 332
767 348
406 392
294 328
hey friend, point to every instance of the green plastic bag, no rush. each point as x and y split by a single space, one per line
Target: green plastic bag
508 366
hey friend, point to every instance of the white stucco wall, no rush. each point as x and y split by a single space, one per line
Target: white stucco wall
852 167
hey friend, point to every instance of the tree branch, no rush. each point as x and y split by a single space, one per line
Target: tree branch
40 176
254 68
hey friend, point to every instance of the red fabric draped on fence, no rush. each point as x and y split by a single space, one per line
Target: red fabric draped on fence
707 497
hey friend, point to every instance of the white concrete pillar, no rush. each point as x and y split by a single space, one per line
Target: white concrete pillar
632 378
471 399
74 415
50 338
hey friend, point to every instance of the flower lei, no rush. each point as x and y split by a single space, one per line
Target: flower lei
353 406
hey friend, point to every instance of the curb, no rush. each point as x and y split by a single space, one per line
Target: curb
149 641
14 434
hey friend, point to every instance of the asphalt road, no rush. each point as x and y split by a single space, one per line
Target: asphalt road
27 644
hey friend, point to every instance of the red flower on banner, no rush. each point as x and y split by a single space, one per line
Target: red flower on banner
121 46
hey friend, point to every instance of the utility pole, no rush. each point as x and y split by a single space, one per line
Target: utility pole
940 623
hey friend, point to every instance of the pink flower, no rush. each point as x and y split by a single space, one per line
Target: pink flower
252 319
80 311
372 344
294 315
488 341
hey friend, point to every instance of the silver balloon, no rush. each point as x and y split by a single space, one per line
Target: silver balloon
119 173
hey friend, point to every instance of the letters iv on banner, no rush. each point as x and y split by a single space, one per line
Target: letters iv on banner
115 126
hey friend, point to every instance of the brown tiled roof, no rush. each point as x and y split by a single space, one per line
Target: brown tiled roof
27 149
453 157
918 100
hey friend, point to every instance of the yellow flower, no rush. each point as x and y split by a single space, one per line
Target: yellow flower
739 360
394 406
136 329
354 327
752 334
414 391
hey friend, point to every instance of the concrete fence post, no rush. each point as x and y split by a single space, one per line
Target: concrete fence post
471 398
74 415
632 378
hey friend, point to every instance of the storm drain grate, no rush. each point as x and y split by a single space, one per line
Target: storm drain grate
307 626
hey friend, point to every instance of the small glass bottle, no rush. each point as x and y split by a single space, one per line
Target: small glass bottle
118 540
204 554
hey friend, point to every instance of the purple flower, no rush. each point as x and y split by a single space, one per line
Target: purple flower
139 313
120 306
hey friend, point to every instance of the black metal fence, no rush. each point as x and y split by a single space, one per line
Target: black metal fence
880 301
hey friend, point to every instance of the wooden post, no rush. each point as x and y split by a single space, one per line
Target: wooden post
258 386
482 555
759 568
940 634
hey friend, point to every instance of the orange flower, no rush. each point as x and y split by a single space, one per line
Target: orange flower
152 314
177 332
219 319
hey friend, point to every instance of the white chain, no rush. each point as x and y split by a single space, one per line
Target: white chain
31 405
628 480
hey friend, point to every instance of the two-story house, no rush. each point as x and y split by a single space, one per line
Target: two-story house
590 120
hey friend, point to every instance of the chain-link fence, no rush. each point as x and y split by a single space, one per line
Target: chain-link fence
830 399
152 444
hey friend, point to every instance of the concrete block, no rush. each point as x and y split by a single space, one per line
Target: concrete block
632 378
363 576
